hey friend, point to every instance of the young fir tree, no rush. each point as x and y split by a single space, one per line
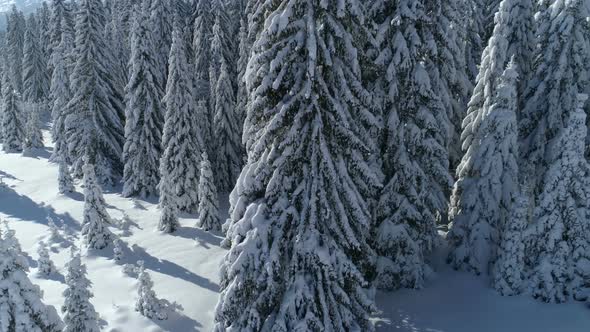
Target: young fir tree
13 133
96 218
477 218
21 306
97 112
45 264
560 252
226 126
181 141
144 114
79 313
65 181
147 303
60 95
415 158
562 61
117 249
509 269
300 220
208 212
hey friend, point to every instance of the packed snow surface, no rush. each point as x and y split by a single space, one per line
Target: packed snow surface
184 267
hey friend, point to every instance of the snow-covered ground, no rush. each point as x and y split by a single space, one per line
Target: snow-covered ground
184 267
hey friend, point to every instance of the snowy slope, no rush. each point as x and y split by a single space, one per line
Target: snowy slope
24 5
184 267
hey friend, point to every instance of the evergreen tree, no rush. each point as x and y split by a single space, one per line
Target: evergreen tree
21 306
66 184
43 19
117 249
226 125
97 111
472 18
96 218
415 137
208 212
300 221
202 54
33 134
561 232
181 141
15 39
60 95
509 268
478 203
147 303
120 49
79 313
35 78
562 60
244 56
144 114
160 22
12 125
45 264
489 10
60 20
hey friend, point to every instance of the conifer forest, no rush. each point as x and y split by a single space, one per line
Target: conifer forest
294 165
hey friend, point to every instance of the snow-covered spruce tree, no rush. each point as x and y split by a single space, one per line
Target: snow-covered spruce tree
415 159
35 77
489 10
79 313
299 205
144 114
181 141
21 303
117 249
227 132
45 264
475 219
13 131
472 18
509 268
43 19
160 22
120 47
97 112
60 20
242 65
208 212
562 61
147 303
33 134
15 39
65 181
202 53
560 253
488 180
60 95
96 218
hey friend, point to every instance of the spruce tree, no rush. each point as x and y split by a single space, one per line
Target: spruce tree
13 131
15 39
509 269
227 132
147 303
66 184
97 114
60 20
479 203
21 306
415 138
33 134
560 246
96 219
181 141
300 221
60 95
160 22
35 78
79 313
45 264
208 212
144 114
562 60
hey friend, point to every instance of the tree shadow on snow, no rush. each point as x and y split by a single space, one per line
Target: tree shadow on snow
4 175
203 238
38 153
178 322
22 207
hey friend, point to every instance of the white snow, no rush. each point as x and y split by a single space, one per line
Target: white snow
184 267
